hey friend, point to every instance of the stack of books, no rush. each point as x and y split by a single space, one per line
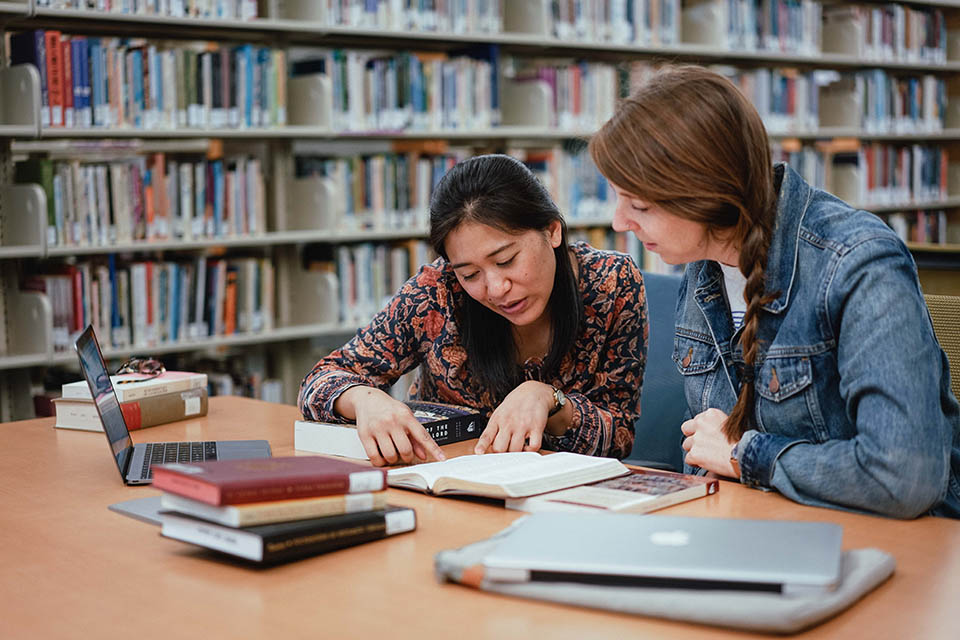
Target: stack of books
145 401
276 510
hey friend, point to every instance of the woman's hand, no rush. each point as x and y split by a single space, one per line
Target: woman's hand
706 445
518 423
387 428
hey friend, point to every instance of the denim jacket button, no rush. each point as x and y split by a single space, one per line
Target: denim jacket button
686 361
774 382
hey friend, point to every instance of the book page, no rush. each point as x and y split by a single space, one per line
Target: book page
475 467
504 469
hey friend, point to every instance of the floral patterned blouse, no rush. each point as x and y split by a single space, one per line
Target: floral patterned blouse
601 376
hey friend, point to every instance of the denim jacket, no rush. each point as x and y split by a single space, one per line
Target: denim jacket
853 407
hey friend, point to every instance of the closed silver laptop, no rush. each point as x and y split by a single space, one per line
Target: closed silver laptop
776 556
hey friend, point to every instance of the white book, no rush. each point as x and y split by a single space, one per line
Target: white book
505 475
134 386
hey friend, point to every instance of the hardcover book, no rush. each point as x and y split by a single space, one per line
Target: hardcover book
78 413
642 491
134 386
254 513
505 475
446 424
285 541
220 482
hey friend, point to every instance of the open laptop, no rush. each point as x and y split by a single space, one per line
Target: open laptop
136 461
786 557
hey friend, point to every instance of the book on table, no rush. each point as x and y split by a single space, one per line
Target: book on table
641 491
81 414
285 541
221 482
505 475
446 424
134 386
268 512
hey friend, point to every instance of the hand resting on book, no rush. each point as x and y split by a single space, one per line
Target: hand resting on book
520 420
387 427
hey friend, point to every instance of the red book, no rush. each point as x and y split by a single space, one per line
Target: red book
221 482
54 77
67 64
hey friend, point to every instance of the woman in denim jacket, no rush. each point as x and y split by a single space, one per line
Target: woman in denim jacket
809 359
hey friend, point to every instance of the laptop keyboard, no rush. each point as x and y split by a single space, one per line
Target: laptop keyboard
160 452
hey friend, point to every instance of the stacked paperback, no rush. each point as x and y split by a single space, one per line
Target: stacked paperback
145 401
276 510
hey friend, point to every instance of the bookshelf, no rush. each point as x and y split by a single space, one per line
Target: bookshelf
304 211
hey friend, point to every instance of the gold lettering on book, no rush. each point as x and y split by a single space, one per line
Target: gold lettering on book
324 536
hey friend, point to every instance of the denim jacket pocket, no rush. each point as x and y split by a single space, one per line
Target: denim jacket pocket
694 357
787 398
698 362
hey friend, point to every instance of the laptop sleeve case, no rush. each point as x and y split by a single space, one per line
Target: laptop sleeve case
863 570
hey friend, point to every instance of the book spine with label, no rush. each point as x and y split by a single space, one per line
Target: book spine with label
138 414
265 489
256 513
282 542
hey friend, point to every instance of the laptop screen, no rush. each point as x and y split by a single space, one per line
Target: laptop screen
98 378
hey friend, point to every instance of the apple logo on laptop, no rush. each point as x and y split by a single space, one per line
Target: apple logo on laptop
675 538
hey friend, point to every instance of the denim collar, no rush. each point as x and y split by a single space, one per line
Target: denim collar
793 199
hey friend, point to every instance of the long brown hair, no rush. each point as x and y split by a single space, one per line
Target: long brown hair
688 141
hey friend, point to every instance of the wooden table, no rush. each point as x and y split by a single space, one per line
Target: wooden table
71 568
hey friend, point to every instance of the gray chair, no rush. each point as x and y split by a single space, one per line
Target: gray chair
663 405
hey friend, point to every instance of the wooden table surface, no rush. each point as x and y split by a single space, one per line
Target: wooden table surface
73 569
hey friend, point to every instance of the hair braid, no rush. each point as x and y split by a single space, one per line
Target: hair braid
753 260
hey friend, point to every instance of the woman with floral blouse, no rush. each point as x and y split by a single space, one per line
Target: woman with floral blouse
546 338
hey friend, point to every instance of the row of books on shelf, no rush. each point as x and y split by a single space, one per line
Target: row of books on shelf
207 85
152 197
221 9
583 94
153 84
376 90
368 274
886 32
787 99
889 174
786 26
925 227
879 102
379 190
475 16
655 22
145 304
392 190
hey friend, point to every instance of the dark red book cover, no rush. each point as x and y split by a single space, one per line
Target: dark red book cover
220 482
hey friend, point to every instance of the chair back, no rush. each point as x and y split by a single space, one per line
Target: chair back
945 313
663 404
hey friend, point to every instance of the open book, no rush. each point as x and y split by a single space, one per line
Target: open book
642 491
505 475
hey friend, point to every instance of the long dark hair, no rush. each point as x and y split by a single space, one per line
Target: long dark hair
501 192
689 141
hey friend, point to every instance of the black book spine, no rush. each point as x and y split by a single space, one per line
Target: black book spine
327 534
456 428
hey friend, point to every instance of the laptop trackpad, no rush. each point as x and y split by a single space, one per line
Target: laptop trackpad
242 449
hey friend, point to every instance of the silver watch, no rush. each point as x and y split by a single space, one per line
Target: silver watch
559 401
